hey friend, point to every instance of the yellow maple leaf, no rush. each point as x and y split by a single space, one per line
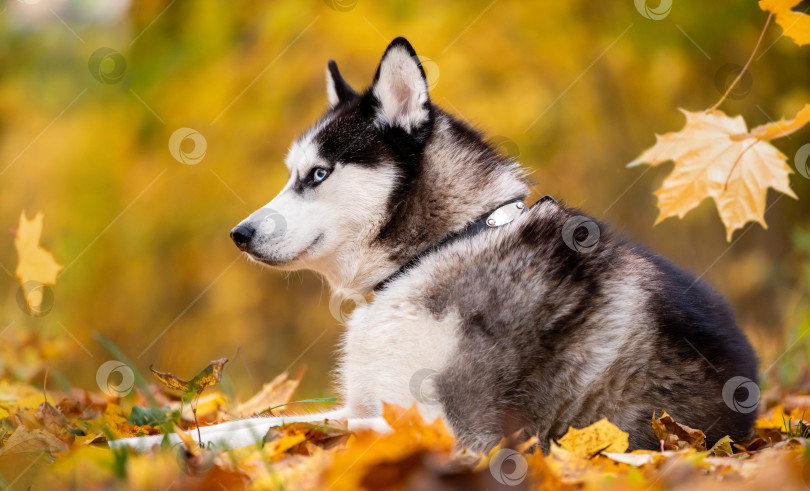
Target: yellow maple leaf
782 127
796 25
36 266
716 157
373 457
602 436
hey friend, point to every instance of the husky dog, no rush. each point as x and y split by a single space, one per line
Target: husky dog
491 314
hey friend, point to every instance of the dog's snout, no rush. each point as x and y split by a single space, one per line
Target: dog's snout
241 235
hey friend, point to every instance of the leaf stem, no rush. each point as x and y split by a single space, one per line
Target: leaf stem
197 423
728 178
747 64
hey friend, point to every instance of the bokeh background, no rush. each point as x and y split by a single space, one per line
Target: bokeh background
576 89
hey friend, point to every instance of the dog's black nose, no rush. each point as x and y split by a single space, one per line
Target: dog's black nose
241 235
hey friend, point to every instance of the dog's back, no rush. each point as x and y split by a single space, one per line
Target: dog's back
552 333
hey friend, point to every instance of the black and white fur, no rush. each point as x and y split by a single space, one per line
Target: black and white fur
512 327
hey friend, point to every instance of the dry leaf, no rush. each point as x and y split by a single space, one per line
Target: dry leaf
35 263
599 437
275 393
571 467
715 157
676 435
209 376
25 440
723 447
795 25
411 436
52 420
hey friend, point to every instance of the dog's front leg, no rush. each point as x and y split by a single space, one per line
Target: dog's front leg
243 432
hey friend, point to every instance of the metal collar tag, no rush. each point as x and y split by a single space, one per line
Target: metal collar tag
506 213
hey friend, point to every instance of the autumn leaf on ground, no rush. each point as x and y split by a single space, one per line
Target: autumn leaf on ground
715 156
374 461
36 265
722 448
602 436
209 376
675 435
275 393
796 25
36 440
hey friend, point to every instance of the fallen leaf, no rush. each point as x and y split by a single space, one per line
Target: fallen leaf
277 392
35 265
716 157
722 448
677 435
52 420
36 440
208 376
411 436
795 25
599 437
571 467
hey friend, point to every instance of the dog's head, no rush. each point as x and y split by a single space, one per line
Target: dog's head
382 176
343 170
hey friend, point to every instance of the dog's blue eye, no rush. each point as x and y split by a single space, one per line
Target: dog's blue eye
319 174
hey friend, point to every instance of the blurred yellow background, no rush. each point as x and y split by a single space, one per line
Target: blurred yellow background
576 88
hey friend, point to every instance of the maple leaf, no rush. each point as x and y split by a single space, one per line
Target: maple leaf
598 437
782 127
795 25
36 265
715 156
207 377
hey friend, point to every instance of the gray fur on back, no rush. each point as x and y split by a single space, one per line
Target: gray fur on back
551 337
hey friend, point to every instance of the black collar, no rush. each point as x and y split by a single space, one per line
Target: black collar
502 214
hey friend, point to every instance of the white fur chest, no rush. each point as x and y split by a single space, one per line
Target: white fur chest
391 350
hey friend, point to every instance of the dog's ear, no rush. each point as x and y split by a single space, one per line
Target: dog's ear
400 88
337 89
